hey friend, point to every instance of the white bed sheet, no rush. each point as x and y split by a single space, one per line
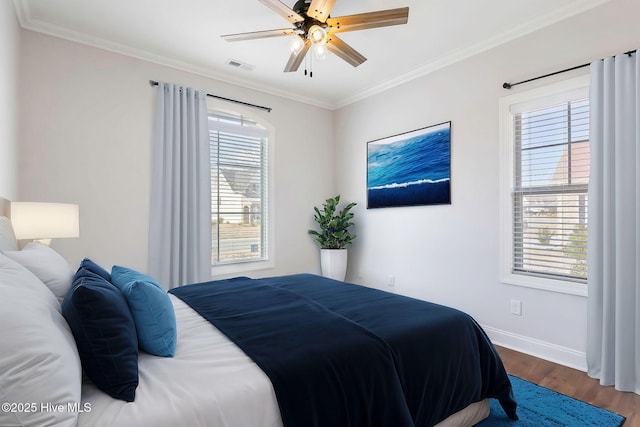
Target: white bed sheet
210 383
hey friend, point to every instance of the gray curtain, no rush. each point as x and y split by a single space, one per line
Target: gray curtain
180 217
613 338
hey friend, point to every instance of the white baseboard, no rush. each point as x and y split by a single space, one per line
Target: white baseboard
544 350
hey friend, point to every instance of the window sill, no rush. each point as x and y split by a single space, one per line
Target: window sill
239 268
560 286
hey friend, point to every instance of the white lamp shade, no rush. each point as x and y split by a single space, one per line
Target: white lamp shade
44 220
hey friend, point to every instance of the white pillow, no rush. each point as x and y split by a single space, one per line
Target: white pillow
39 360
8 240
47 264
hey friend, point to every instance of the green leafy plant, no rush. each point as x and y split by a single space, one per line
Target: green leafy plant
544 235
334 225
576 248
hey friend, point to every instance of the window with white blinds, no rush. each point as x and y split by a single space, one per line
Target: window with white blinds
549 193
238 189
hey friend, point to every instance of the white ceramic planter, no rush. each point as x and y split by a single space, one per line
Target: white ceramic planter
333 263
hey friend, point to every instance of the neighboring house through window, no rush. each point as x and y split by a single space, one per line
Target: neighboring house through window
544 179
239 193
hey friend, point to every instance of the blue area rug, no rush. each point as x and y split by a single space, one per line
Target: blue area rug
541 407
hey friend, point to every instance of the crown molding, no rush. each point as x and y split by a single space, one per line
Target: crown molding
574 8
22 12
565 12
27 23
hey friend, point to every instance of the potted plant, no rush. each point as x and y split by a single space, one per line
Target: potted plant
333 237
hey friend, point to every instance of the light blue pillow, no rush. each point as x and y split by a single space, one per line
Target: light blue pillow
125 275
151 309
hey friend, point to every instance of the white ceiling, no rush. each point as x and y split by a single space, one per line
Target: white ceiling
186 34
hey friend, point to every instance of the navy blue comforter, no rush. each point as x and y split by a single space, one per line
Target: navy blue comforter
340 354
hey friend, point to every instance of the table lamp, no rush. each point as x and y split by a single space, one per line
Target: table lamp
44 221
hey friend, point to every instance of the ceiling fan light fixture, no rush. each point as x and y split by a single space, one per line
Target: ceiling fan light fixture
317 35
296 44
320 51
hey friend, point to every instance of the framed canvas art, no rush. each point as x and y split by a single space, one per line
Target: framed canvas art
409 169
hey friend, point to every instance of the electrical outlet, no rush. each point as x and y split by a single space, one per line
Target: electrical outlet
391 281
516 307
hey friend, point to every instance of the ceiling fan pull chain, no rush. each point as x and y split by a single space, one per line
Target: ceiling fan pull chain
306 64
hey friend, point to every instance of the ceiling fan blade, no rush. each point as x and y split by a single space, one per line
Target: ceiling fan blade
283 10
259 34
320 9
296 57
344 51
362 21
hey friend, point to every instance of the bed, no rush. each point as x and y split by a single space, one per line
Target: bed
440 378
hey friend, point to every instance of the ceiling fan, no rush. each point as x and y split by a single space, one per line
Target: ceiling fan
313 26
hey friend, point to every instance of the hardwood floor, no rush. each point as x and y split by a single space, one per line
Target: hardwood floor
573 383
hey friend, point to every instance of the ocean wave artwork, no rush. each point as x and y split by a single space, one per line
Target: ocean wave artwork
413 168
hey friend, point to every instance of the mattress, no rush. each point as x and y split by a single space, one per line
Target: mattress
209 383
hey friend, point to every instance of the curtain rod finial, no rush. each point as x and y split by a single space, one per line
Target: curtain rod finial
506 85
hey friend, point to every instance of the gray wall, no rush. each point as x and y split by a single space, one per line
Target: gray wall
85 133
450 254
9 51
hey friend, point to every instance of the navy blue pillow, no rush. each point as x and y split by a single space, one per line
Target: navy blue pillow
105 334
88 265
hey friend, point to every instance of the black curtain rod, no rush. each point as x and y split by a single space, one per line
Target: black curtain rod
510 85
267 109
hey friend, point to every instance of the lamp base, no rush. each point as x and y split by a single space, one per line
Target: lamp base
46 242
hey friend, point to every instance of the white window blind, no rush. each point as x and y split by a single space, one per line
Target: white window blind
551 168
238 189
